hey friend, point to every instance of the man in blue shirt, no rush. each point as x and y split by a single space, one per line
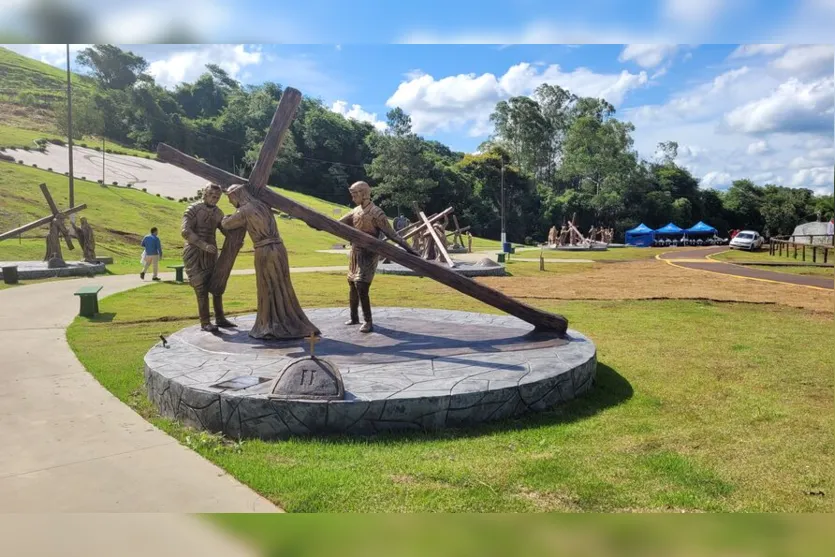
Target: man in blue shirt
153 253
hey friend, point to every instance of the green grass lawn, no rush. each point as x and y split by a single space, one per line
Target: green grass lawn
19 138
797 270
612 254
736 256
121 216
684 415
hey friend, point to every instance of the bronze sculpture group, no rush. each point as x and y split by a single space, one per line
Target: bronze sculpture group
279 314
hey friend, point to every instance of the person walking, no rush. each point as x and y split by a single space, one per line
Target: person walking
152 253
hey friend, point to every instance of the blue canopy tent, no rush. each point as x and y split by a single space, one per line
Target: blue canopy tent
641 236
701 228
670 229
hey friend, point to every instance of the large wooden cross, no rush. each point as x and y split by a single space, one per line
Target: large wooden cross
46 220
257 186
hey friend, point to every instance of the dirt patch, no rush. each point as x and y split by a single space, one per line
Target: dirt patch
128 237
32 118
647 280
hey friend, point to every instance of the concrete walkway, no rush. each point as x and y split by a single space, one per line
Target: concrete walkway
68 445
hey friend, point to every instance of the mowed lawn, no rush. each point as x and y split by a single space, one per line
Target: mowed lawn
762 256
686 414
121 216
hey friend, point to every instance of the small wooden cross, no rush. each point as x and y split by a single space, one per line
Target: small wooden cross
312 339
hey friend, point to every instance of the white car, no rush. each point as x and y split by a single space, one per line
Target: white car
747 239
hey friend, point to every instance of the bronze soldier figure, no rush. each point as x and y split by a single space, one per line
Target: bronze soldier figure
200 222
363 262
86 239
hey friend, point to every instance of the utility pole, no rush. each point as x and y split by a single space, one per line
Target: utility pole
504 236
69 130
103 182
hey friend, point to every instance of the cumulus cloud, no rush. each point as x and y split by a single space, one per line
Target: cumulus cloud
758 147
714 121
690 12
357 113
807 61
716 180
647 55
749 50
188 64
463 100
793 107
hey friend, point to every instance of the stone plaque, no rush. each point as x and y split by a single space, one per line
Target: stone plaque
309 378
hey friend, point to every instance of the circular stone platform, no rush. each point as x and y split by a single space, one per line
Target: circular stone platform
420 369
483 268
28 270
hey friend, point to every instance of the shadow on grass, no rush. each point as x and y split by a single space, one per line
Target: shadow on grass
609 390
102 318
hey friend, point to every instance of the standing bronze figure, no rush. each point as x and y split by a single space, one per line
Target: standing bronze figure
280 315
54 254
362 262
86 239
200 222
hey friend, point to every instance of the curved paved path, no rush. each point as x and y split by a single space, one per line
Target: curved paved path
696 258
68 445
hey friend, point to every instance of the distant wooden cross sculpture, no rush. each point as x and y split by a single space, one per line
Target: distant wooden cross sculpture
257 187
53 244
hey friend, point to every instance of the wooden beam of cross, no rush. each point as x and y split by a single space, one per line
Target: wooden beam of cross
45 220
413 229
438 242
542 320
40 222
55 212
456 239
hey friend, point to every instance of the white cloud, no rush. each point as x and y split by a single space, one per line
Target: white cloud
716 180
749 50
819 179
793 107
647 55
792 121
696 102
52 54
357 113
539 32
694 13
465 100
807 61
187 65
758 147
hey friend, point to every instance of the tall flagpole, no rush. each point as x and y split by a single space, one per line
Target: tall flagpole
69 128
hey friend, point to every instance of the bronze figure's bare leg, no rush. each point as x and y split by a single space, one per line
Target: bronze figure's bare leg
362 289
205 315
220 317
354 301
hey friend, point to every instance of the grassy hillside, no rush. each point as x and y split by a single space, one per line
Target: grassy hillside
29 88
121 217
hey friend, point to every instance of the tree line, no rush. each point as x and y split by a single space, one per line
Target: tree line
557 155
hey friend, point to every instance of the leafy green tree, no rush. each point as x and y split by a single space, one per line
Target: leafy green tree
401 167
111 66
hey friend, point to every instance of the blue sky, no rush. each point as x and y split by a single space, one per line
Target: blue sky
758 111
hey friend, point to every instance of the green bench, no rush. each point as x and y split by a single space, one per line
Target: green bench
178 269
89 296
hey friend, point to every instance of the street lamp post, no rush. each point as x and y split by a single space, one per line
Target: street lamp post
69 129
504 235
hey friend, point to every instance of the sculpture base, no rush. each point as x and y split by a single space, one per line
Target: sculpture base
484 268
421 369
580 247
29 270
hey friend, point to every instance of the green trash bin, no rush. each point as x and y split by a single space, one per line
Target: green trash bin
10 275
